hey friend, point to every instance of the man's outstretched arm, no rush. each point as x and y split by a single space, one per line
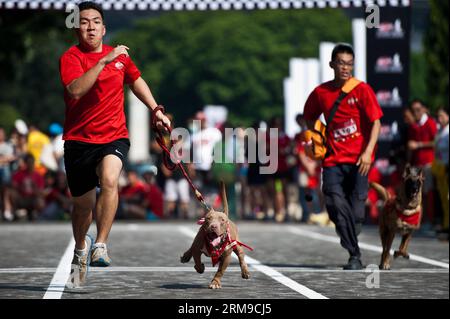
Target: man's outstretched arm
143 93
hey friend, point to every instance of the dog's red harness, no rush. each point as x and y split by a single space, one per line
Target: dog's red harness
411 219
216 250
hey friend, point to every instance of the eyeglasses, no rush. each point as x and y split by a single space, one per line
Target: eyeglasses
341 63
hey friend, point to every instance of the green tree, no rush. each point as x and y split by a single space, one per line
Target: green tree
31 45
9 115
436 54
190 59
418 81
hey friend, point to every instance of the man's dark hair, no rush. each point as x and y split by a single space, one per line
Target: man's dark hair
342 48
299 117
444 109
85 5
28 157
416 100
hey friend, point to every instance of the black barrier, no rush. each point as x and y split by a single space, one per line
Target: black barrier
388 58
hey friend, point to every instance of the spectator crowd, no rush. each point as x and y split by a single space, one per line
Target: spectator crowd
33 184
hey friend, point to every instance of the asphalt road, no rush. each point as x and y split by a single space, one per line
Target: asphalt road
289 261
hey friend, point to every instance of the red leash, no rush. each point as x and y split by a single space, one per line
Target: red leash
166 155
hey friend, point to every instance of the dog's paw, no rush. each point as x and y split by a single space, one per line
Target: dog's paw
399 253
200 269
215 284
185 258
245 274
385 267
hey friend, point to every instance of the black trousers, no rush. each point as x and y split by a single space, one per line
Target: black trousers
345 191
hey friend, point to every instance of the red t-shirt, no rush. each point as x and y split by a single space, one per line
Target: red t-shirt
55 193
134 191
423 133
284 143
51 196
349 132
98 117
314 180
28 183
374 176
155 200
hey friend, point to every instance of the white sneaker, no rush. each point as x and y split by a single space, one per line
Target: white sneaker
80 266
99 256
8 216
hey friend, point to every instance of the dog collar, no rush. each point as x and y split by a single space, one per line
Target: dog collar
406 212
409 216
226 243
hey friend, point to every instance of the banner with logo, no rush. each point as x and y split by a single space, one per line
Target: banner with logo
388 58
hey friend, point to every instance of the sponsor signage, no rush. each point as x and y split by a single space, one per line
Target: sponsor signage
388 59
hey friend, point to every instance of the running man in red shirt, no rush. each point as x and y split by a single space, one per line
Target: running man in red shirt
352 136
95 133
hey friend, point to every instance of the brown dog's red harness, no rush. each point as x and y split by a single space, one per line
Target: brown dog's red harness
216 250
412 219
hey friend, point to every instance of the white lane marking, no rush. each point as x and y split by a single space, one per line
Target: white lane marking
333 239
272 273
133 227
59 280
214 269
27 270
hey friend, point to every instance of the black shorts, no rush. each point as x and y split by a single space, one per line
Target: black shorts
81 160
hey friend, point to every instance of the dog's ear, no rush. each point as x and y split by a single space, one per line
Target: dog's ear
223 195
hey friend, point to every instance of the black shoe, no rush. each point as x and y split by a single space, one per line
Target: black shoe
354 263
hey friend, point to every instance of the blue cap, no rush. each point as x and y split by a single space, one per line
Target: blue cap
55 129
148 168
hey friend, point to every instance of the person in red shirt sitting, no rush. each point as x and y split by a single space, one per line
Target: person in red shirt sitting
93 75
58 200
132 196
421 136
351 140
154 201
27 190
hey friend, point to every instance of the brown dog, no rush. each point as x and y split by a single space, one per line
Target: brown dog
217 238
401 213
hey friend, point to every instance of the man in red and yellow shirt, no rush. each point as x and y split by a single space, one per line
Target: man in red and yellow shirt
96 138
351 137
